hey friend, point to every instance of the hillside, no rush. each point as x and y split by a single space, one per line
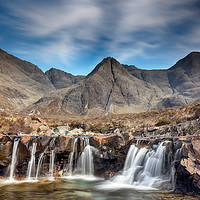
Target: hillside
21 83
184 120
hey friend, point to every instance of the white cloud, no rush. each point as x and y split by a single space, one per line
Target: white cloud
67 28
44 21
150 16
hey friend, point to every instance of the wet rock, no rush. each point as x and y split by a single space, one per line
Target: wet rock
111 141
188 171
65 143
5 152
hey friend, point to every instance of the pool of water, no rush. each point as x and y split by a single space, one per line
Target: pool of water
79 189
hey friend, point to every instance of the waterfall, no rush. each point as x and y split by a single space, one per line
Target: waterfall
177 157
14 158
51 163
31 164
72 157
152 174
154 163
40 163
143 167
85 164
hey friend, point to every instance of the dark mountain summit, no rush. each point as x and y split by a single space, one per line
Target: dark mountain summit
61 79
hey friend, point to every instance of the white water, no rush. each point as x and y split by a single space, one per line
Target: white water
51 164
85 165
177 155
72 158
143 168
14 159
31 164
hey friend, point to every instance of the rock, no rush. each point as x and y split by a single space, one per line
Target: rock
112 141
65 143
25 139
62 130
188 171
5 151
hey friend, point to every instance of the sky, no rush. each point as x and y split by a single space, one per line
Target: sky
75 35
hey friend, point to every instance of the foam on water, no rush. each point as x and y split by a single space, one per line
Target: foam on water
82 177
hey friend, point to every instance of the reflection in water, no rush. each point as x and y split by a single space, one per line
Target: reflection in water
78 190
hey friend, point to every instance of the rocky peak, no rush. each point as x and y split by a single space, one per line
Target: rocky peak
191 61
61 79
109 67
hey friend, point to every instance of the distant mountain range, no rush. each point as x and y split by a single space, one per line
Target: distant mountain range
110 88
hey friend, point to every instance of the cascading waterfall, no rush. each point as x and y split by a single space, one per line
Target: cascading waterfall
14 159
153 168
85 164
72 157
31 164
143 168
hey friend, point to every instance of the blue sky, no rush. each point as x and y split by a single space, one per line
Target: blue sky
75 35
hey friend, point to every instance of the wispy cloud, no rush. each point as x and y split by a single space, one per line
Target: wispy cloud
63 29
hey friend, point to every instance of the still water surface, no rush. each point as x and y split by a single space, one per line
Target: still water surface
79 189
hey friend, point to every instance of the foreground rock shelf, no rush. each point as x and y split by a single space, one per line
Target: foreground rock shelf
61 155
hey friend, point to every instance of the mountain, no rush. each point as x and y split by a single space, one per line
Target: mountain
61 79
115 88
21 83
108 88
181 82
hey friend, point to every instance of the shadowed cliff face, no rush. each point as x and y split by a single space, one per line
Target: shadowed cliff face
21 83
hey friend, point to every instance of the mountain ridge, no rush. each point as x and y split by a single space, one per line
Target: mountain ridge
111 87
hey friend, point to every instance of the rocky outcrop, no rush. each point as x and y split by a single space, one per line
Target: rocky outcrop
61 79
110 156
188 170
